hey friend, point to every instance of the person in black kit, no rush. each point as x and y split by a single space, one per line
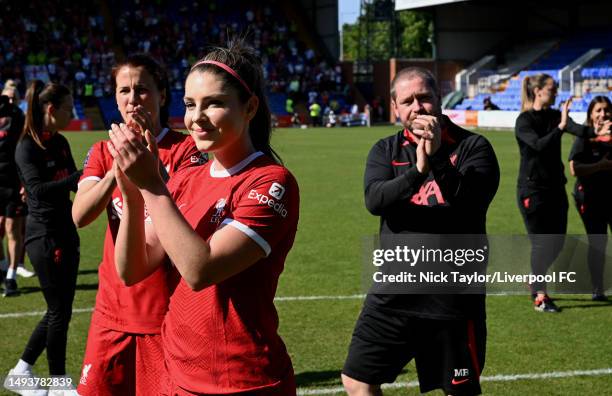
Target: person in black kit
432 177
11 124
541 193
591 162
48 172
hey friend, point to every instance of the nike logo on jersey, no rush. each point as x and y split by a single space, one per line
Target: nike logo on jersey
397 163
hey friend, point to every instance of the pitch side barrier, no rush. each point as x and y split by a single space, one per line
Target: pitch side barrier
476 264
494 118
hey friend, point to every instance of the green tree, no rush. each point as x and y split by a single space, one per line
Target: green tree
371 37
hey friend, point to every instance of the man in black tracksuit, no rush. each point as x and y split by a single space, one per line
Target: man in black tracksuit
432 177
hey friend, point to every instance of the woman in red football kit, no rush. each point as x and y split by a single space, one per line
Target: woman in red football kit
227 228
124 353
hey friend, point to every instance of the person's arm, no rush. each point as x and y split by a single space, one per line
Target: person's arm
382 188
30 165
474 182
568 125
580 169
527 134
138 252
91 199
95 188
71 165
581 161
230 250
579 130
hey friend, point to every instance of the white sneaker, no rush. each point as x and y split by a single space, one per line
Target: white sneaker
24 272
11 383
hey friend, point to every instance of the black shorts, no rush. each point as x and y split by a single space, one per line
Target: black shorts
449 354
10 200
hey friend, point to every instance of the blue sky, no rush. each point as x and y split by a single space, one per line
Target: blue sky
348 11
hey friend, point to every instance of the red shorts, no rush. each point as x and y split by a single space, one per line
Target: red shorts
118 363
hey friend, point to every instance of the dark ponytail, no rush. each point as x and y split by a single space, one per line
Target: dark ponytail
247 64
530 83
37 96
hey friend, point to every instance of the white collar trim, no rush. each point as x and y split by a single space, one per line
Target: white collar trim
234 169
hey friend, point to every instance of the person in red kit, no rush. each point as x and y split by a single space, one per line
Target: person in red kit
47 170
226 227
124 353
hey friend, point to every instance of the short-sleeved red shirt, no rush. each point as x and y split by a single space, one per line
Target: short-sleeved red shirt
139 308
224 339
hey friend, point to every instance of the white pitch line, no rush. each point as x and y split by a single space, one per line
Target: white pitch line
494 378
309 298
39 313
279 299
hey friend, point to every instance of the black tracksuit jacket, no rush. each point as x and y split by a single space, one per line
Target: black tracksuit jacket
452 198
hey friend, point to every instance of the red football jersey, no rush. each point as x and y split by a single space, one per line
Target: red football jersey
224 339
139 308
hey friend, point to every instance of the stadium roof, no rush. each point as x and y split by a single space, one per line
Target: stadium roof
410 4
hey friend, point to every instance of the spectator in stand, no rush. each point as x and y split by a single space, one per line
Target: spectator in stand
331 119
591 162
315 114
367 111
488 105
295 120
289 105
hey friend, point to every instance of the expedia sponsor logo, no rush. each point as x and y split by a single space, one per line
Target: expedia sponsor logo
277 191
263 199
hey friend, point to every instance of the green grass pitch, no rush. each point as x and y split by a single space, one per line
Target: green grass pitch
326 261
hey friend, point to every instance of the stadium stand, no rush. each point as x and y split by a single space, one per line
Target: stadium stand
66 41
73 45
596 75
